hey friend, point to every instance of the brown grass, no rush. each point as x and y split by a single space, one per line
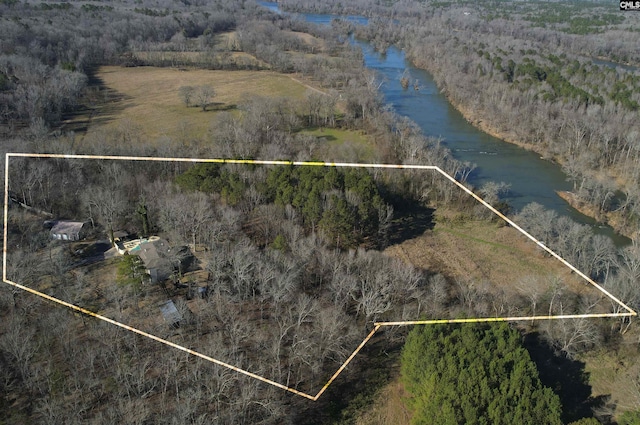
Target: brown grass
483 252
310 40
389 407
149 103
336 144
228 41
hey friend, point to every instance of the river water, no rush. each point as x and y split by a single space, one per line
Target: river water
531 178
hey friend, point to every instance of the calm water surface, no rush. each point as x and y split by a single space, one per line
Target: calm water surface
531 179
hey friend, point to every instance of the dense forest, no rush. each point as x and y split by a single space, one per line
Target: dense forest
282 270
482 375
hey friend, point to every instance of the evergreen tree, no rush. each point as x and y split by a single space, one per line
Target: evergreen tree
338 222
630 418
474 375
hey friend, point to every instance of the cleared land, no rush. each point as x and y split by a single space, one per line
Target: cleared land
308 39
143 103
335 144
483 252
149 100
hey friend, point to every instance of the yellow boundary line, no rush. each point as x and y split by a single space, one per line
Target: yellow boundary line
155 338
630 312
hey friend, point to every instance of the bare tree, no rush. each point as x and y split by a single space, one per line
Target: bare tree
373 294
203 95
629 262
572 336
21 344
437 295
186 94
110 205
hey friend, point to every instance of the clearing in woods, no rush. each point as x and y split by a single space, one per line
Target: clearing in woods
468 236
144 104
489 253
151 104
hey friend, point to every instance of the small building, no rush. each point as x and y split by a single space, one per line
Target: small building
176 315
68 230
170 313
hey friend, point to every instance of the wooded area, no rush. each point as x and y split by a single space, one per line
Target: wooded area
475 375
279 270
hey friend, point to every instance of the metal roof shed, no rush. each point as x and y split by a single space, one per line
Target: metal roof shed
170 313
68 230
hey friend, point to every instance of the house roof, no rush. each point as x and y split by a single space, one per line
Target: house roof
67 227
120 234
158 257
155 254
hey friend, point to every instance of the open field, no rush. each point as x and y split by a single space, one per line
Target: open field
339 144
308 39
148 102
143 103
486 253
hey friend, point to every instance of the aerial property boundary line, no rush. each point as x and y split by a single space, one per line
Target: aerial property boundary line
629 312
155 338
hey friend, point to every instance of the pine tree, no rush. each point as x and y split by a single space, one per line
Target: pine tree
473 374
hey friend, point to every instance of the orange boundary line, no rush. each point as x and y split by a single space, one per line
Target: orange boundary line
377 325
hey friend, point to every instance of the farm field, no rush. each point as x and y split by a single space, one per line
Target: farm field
148 99
143 104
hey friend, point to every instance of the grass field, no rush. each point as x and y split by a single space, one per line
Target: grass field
145 102
337 144
147 98
484 253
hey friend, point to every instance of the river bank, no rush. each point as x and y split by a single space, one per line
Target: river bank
615 220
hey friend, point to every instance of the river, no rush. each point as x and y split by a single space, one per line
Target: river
531 178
